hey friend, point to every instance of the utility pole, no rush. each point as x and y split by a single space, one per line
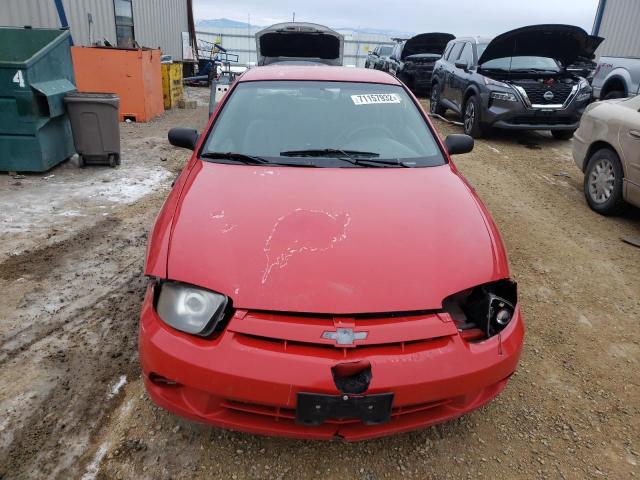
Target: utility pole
294 16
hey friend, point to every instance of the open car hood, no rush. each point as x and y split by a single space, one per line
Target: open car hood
426 43
286 42
564 43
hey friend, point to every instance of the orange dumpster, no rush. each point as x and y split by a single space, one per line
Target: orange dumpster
133 74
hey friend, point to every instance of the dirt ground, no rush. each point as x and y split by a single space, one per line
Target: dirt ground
72 404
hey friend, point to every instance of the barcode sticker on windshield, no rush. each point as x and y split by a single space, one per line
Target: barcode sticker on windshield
369 98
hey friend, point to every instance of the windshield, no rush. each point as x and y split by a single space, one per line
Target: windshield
385 51
309 122
522 63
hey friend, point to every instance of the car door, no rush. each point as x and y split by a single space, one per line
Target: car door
447 89
630 143
394 59
460 76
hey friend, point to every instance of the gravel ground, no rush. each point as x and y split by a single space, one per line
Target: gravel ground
73 406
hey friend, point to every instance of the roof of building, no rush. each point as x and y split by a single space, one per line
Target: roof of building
317 72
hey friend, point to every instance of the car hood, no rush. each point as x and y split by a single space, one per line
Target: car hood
426 43
564 43
328 240
299 41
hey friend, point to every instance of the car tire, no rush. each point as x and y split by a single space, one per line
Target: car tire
434 106
562 134
471 117
614 94
603 193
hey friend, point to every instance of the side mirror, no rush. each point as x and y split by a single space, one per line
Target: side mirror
183 137
462 64
458 143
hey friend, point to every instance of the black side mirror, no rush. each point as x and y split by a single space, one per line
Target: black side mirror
462 64
183 137
458 143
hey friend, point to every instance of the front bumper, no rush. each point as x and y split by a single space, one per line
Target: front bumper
516 116
248 383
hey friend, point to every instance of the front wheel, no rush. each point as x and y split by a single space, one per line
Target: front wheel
434 105
471 117
562 134
603 183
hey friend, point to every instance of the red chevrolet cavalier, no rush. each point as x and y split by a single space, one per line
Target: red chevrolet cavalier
321 269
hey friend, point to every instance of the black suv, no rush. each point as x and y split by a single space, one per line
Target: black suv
412 61
516 81
378 57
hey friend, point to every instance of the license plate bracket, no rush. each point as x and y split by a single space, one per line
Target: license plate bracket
315 408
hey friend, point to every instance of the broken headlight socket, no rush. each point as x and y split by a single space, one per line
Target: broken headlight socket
191 309
488 308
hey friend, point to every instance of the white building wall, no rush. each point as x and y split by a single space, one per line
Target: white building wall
242 42
620 27
157 23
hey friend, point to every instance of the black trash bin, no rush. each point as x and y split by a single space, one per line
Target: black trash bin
95 127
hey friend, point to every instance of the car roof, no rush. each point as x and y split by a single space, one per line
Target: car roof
317 72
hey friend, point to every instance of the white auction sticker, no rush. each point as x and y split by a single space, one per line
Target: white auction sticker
369 98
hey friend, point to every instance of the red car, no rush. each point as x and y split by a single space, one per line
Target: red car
321 269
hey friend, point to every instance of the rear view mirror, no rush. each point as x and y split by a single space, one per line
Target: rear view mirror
461 64
458 143
183 137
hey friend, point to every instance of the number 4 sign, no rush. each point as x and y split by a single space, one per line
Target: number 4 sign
19 78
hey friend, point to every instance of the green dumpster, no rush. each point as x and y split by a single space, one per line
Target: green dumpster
35 74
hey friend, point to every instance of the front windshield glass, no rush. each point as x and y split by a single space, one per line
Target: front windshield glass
385 51
522 63
369 122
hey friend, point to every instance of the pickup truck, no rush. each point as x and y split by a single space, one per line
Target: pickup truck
616 77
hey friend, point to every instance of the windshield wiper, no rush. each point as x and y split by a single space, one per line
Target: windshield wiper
250 159
346 156
240 157
327 152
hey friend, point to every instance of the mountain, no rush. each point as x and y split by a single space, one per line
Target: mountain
222 23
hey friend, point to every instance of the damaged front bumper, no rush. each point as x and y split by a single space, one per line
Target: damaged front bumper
247 380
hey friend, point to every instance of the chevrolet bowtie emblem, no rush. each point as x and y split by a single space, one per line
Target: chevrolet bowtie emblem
344 336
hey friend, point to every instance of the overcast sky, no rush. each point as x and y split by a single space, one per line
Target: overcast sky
459 17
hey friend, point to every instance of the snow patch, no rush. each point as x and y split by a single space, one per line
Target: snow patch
118 385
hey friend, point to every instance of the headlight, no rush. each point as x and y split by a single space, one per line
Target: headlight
190 309
506 96
583 96
489 307
584 91
491 81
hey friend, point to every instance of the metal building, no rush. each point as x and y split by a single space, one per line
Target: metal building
618 21
151 23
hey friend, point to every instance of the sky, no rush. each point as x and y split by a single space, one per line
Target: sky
460 17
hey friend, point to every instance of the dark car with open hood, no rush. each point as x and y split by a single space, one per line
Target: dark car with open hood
413 61
518 80
299 42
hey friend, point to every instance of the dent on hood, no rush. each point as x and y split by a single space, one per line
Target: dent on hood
303 231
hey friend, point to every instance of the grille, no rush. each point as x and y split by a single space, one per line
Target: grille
289 414
536 90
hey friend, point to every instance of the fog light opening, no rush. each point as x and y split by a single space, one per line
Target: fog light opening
162 381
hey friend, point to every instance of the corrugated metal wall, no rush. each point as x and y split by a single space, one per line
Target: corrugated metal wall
621 29
242 42
157 23
160 23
